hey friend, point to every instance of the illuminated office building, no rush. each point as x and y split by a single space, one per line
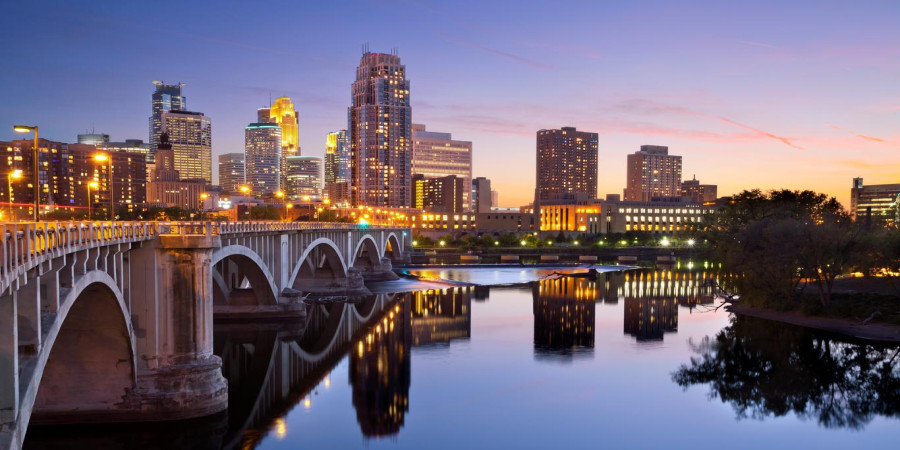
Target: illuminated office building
437 155
166 97
262 157
337 168
303 175
444 194
166 187
129 177
283 113
379 121
653 174
566 165
190 135
878 201
231 171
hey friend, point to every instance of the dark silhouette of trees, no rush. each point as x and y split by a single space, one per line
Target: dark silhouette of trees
765 368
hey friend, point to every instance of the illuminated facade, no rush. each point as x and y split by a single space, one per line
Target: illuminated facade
262 156
129 177
444 194
283 113
166 97
878 201
437 155
653 174
699 193
654 217
166 188
304 177
337 168
379 120
54 174
566 165
190 134
231 171
568 217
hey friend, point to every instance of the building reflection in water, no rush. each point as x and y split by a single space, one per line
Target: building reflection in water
564 316
652 299
440 316
380 372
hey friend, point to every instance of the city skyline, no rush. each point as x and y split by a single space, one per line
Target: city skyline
806 101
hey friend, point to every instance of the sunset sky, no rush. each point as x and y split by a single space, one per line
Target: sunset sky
760 95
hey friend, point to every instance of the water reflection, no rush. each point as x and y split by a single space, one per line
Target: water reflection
767 369
564 316
440 316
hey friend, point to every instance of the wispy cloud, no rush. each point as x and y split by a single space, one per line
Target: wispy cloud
853 133
524 61
649 107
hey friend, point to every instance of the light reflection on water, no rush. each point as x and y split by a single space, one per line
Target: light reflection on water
566 360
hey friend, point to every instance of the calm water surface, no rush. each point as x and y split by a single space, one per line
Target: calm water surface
639 359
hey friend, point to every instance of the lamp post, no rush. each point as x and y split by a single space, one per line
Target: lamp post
280 195
203 197
36 181
104 158
14 175
95 185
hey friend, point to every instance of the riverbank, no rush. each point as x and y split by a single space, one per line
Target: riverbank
880 332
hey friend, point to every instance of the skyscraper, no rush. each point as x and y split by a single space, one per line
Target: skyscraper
653 174
304 177
231 171
190 134
166 97
262 156
482 198
437 155
283 113
380 121
566 165
337 167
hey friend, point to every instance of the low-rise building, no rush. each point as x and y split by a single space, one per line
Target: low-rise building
878 201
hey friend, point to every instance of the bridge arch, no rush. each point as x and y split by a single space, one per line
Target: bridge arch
320 265
392 249
241 277
87 365
366 255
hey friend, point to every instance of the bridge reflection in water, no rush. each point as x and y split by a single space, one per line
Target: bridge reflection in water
273 368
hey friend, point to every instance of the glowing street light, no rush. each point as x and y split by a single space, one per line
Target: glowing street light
442 243
280 195
691 242
244 189
36 180
14 175
664 242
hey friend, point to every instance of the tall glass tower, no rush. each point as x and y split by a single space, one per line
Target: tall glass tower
262 156
167 97
380 126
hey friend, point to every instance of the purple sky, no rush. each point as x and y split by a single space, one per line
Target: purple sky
760 95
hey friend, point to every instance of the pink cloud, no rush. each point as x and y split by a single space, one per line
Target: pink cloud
524 61
852 133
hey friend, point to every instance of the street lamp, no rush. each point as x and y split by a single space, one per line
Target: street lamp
104 158
203 197
287 211
95 185
280 194
14 175
36 182
244 189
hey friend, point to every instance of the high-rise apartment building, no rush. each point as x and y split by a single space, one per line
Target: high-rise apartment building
877 201
437 155
653 174
231 171
304 177
380 121
166 97
129 177
443 194
262 157
482 198
699 193
190 135
566 165
337 167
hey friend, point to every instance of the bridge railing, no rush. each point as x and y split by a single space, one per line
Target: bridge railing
22 243
218 228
